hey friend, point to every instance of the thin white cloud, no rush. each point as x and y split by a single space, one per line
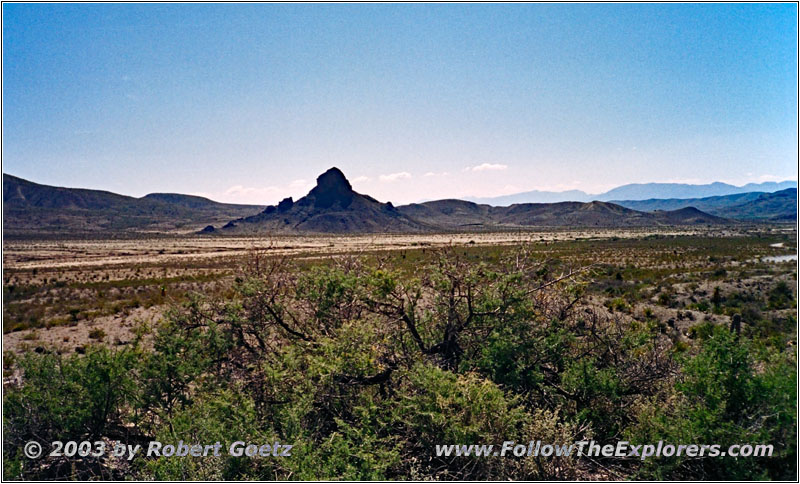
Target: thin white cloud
361 179
264 195
395 176
488 167
242 191
298 183
431 174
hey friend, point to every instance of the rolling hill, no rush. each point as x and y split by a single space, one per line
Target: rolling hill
33 208
461 215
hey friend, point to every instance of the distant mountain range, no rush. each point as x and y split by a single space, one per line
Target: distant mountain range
637 191
780 206
332 206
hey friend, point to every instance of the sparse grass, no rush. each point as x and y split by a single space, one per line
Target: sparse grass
645 272
97 334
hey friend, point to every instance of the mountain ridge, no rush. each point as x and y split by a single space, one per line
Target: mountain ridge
332 206
461 214
776 206
637 191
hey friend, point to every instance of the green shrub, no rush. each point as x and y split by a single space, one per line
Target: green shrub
729 393
68 398
781 296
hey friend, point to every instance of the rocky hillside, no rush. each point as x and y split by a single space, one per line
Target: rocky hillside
31 208
461 215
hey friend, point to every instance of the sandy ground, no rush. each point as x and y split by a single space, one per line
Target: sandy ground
118 329
30 254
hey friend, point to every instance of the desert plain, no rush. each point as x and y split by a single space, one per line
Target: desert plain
62 294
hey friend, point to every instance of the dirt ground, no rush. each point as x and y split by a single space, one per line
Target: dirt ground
30 254
60 295
116 330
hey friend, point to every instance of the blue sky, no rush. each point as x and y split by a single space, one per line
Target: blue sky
249 103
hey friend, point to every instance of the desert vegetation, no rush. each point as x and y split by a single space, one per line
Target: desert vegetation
364 359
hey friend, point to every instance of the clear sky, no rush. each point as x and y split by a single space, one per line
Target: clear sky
249 103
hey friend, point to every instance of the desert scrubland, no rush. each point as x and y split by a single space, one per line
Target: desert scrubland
370 341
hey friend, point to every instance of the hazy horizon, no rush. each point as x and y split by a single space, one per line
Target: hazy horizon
428 199
249 103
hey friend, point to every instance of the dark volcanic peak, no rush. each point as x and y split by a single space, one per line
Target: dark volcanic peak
332 189
333 179
330 207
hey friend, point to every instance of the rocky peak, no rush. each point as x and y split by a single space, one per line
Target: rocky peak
332 188
285 204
